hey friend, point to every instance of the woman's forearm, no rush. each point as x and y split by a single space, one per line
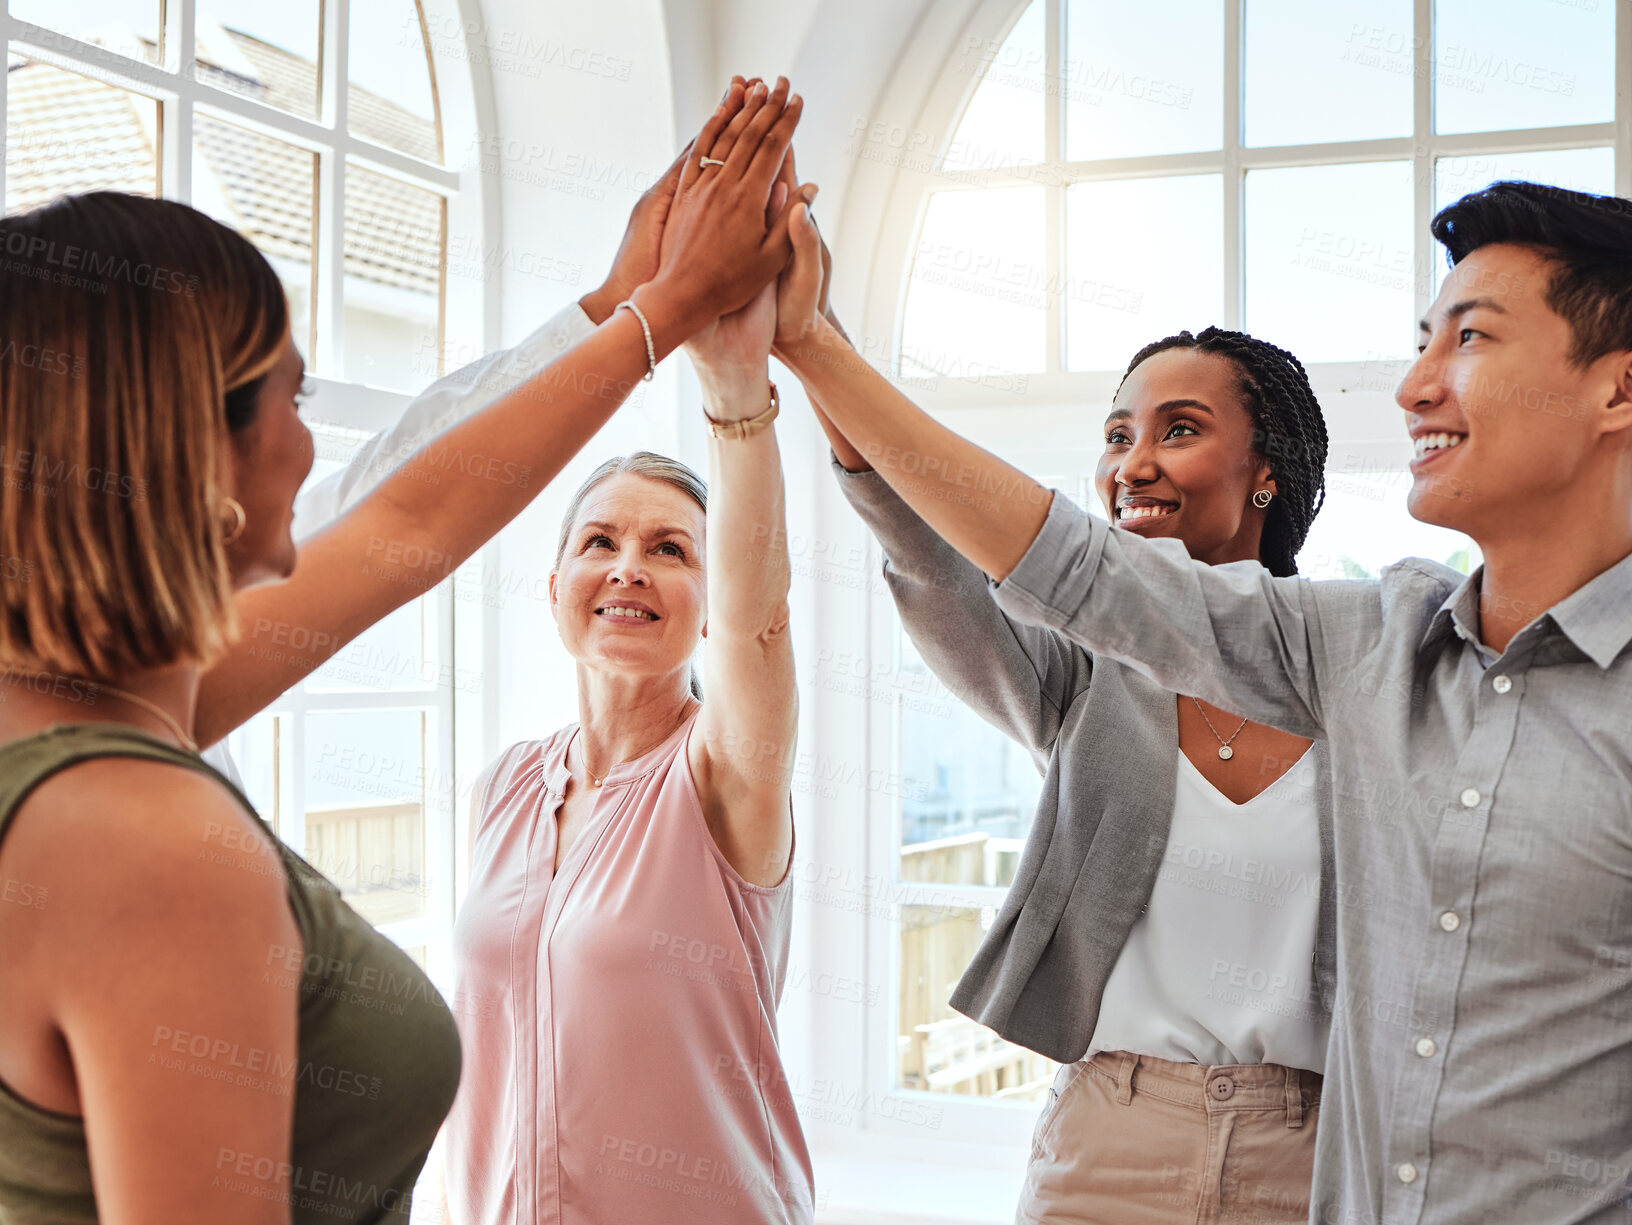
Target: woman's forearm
987 509
850 459
748 571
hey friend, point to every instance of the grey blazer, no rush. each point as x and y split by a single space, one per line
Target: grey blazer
1110 739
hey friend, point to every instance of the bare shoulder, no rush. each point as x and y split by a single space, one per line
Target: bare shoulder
131 850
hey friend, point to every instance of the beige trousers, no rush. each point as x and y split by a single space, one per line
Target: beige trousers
1131 1140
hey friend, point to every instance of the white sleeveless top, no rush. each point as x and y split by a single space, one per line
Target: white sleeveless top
1220 967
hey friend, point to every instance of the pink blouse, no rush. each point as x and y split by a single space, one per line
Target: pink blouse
618 1017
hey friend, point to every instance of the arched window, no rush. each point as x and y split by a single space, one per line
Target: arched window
314 128
1085 177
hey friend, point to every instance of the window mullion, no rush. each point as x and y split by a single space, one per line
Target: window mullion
293 831
1422 154
328 243
175 151
1053 191
1234 185
7 24
1623 98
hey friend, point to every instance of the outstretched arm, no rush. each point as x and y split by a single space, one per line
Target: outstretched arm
1232 635
1021 678
743 750
442 503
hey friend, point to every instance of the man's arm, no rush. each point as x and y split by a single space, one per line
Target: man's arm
1233 635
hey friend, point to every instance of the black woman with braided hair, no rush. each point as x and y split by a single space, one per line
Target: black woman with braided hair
1166 938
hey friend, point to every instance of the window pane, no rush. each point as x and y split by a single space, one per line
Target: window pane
365 808
1144 258
259 749
392 100
1364 525
125 27
1143 79
268 52
395 248
976 302
267 190
1578 169
397 654
969 793
66 133
1329 260
940 1050
1003 125
1520 64
1338 70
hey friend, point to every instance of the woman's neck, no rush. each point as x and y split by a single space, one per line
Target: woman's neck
621 717
34 699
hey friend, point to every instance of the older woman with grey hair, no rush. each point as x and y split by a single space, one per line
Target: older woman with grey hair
629 911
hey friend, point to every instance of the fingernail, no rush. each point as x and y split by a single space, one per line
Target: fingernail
810 193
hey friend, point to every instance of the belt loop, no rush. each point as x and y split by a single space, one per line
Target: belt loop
1294 1097
1125 1065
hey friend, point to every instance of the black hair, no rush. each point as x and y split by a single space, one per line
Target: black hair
1588 238
1287 429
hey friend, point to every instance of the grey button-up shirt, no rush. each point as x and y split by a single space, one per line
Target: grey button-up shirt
1480 1066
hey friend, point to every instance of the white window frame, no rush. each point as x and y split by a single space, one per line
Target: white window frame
884 210
462 87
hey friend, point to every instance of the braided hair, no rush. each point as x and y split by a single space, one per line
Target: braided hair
1287 429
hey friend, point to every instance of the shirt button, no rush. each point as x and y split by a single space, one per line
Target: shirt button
1470 798
1407 1172
1426 1047
1450 920
1501 684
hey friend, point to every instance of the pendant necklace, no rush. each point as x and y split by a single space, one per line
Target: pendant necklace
1224 749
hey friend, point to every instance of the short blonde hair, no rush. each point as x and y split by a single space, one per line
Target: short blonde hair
124 324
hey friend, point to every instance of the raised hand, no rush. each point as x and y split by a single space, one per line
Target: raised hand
730 353
803 288
637 258
717 250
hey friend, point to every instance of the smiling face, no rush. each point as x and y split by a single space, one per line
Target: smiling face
1501 422
1179 456
630 591
271 458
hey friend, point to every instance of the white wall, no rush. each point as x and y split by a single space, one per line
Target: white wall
580 123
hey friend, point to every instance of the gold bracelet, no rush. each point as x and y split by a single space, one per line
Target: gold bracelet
743 429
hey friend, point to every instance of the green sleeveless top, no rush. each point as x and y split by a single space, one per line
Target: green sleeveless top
377 1060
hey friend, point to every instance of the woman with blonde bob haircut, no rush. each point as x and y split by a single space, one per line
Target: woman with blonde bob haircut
195 1028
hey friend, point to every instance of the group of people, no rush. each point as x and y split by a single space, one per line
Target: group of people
1426 1022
